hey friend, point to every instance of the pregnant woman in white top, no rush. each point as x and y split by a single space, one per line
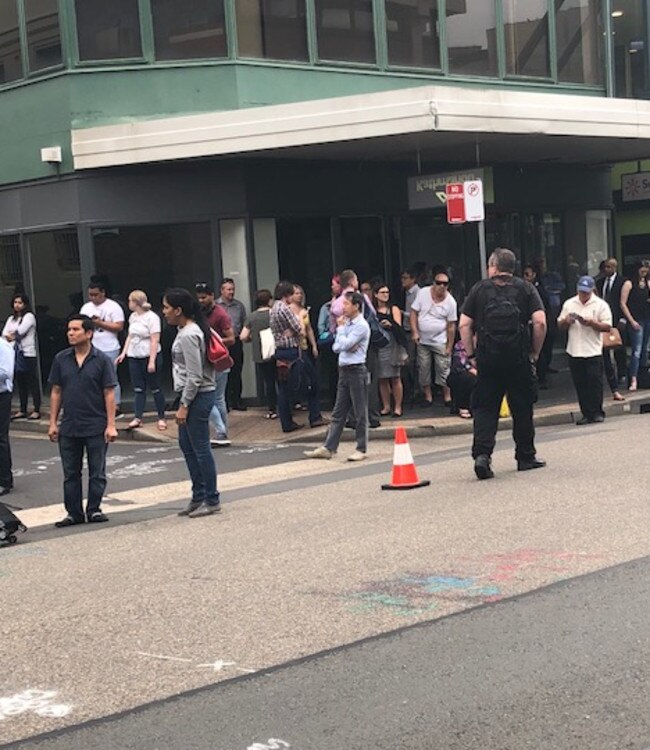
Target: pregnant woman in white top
142 348
20 330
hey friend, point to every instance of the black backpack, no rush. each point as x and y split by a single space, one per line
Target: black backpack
502 339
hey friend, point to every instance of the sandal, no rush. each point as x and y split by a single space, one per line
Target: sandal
397 415
34 416
134 424
464 413
616 396
162 425
385 413
271 415
18 415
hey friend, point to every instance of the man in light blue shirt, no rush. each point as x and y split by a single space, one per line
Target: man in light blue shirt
7 361
351 344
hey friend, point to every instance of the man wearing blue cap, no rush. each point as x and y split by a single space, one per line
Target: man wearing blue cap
586 316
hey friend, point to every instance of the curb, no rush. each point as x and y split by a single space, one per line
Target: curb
123 434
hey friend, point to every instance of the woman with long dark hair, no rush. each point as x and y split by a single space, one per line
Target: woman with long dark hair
20 330
635 304
393 357
194 381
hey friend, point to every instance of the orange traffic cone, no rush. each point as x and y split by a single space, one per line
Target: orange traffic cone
405 475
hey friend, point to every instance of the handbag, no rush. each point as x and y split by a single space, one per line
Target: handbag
20 363
612 339
267 344
216 352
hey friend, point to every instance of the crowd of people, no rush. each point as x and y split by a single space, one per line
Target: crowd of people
377 351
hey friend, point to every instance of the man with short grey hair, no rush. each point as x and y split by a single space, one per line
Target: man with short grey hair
494 327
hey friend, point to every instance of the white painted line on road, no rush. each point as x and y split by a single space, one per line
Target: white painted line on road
147 497
38 702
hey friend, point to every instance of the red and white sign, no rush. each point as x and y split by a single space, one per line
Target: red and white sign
474 205
455 202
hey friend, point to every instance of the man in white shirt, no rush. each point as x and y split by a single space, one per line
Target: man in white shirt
434 314
586 317
108 317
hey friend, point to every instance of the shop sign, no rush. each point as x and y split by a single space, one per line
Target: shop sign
455 198
428 191
635 187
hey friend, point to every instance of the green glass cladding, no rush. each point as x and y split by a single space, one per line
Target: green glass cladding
553 42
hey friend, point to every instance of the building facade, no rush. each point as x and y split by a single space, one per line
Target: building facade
261 139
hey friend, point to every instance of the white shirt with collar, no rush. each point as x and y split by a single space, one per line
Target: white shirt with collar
585 341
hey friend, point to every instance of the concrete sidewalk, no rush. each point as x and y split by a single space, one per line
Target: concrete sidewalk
557 405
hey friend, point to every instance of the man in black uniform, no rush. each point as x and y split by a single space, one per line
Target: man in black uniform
496 315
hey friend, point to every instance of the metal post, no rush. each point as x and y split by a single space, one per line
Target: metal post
481 249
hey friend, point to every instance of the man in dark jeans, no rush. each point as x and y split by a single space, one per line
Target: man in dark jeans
83 382
516 379
237 313
7 359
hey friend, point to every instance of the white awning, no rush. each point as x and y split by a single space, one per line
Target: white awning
516 125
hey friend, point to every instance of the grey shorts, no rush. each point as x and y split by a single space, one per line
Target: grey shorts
442 363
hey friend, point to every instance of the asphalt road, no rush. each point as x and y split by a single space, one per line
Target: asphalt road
323 613
563 668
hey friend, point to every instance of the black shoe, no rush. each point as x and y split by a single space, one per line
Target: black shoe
97 517
4 490
69 521
239 407
294 426
482 467
192 506
528 465
350 425
322 422
374 423
426 404
598 418
583 420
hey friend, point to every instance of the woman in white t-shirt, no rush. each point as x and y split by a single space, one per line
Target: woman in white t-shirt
142 348
20 330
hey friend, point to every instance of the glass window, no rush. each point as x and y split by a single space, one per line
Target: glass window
526 33
471 37
43 34
11 67
362 247
579 41
274 29
345 30
187 29
108 30
413 35
630 24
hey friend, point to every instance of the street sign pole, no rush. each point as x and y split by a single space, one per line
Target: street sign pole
481 249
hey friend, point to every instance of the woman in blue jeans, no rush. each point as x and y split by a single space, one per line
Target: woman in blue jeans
193 379
635 304
142 348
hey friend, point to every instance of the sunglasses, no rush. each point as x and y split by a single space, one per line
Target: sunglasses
201 286
441 283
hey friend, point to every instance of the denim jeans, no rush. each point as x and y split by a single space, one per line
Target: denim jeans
71 450
194 441
219 413
639 342
118 391
289 391
141 380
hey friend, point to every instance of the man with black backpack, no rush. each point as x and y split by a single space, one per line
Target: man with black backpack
494 328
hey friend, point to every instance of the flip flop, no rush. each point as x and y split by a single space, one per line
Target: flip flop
162 425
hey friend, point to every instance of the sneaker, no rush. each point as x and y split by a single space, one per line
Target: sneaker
294 426
206 510
193 505
220 442
357 456
321 452
97 517
483 468
321 422
68 521
533 463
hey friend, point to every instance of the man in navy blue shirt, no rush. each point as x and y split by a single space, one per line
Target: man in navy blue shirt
83 381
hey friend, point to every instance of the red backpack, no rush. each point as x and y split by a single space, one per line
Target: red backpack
216 352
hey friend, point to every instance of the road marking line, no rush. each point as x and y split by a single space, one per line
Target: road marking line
161 656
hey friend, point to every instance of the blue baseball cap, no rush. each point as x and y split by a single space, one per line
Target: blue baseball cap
586 284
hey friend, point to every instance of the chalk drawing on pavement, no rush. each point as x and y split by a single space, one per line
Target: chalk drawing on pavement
38 702
270 744
469 581
144 468
216 666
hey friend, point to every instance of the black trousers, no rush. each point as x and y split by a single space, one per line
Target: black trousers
587 375
6 477
462 384
268 371
27 383
519 384
617 369
233 389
